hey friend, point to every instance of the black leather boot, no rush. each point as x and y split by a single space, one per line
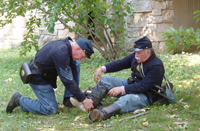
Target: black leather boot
98 94
14 102
67 103
104 113
88 92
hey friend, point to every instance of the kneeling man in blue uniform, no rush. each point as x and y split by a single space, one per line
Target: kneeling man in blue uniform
133 93
57 58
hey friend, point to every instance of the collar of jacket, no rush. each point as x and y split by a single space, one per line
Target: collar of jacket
67 41
153 56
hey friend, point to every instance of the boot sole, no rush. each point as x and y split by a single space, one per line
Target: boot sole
78 104
94 115
11 103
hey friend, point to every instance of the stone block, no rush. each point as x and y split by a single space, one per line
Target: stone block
156 11
157 19
19 22
1 33
15 33
18 33
45 32
139 20
162 47
59 26
7 33
158 4
168 16
141 5
62 33
169 5
44 39
150 31
130 42
155 46
133 32
162 28
5 44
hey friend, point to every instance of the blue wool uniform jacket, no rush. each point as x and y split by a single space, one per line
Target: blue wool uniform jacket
153 70
57 56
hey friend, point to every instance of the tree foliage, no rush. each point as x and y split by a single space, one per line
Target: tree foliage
183 37
88 15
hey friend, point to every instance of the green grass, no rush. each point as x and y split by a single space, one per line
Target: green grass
182 70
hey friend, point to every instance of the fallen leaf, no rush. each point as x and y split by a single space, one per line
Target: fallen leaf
172 110
64 117
180 119
141 110
181 100
144 119
186 106
100 125
61 105
146 124
181 125
172 116
9 79
170 127
76 118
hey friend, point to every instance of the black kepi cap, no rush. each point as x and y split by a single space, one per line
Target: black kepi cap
86 46
142 43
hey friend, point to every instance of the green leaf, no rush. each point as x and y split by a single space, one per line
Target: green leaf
51 28
168 44
196 12
196 16
192 30
59 4
177 39
188 31
164 36
172 29
124 14
176 50
197 20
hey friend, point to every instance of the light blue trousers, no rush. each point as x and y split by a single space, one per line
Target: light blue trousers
46 103
128 102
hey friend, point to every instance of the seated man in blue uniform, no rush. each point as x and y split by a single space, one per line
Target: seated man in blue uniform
133 93
57 58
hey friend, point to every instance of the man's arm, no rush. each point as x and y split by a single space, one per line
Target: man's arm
114 66
98 73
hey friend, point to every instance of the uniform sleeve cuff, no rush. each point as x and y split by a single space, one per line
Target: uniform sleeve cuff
123 90
103 69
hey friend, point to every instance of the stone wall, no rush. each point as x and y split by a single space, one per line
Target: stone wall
150 18
12 34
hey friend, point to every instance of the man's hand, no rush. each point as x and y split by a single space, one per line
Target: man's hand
98 75
88 104
115 91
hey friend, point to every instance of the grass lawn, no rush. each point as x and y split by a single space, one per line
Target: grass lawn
182 70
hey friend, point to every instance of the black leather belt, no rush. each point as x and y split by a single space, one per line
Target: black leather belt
37 67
